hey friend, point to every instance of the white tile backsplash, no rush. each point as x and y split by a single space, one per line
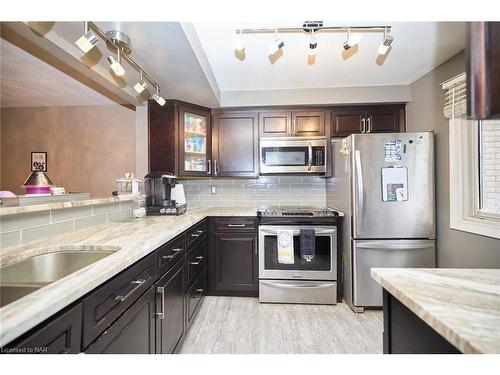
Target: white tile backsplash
268 190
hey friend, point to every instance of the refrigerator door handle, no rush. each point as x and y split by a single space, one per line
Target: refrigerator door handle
359 175
407 245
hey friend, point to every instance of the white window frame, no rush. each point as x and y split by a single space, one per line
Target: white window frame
464 180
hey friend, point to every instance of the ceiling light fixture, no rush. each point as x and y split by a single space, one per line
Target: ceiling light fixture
313 44
386 43
238 43
276 45
141 85
88 40
115 64
352 39
158 98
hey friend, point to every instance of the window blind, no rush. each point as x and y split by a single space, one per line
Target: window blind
455 97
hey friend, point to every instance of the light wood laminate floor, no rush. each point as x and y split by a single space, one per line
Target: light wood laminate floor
241 325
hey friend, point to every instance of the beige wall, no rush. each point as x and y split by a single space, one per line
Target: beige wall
425 112
88 147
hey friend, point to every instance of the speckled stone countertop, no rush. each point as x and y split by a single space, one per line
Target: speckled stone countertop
462 305
12 210
131 240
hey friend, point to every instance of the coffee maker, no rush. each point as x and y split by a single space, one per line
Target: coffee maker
158 188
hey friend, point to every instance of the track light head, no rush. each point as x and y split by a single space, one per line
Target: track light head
352 40
142 84
238 43
116 65
156 96
275 46
88 40
313 44
385 45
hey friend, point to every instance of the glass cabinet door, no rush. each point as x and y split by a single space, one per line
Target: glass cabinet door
195 143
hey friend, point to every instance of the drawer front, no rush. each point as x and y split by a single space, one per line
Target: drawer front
111 299
235 224
196 260
168 254
196 234
196 292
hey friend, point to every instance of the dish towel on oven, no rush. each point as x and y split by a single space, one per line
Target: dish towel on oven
307 245
285 247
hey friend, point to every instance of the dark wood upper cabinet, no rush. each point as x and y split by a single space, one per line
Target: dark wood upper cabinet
235 144
308 123
275 124
180 139
348 121
368 119
483 70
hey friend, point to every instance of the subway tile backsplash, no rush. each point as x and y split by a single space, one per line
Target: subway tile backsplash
269 190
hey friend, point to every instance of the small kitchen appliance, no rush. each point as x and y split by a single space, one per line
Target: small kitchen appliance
38 183
158 188
298 278
129 185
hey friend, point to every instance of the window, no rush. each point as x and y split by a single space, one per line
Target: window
474 166
489 168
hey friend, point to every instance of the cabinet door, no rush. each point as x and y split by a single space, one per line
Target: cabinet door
308 123
131 333
348 121
275 124
195 142
170 309
235 144
236 262
383 119
59 335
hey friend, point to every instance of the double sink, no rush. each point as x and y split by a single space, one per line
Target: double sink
30 274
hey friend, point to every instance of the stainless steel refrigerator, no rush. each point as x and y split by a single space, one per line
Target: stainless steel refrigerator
384 183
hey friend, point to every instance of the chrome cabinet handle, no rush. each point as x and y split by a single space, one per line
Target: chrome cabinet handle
236 225
310 155
293 127
369 120
161 290
209 166
363 125
168 257
200 258
138 285
198 296
216 171
195 234
200 231
177 249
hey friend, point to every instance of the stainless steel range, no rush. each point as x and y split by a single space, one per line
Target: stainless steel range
298 255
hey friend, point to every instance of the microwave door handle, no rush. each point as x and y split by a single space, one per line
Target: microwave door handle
310 150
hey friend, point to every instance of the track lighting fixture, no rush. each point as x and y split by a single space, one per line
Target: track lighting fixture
88 40
313 44
352 39
276 45
141 85
115 64
238 43
312 28
386 43
158 98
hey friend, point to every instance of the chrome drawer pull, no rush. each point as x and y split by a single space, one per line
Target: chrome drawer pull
171 256
236 225
138 285
195 235
200 231
194 263
200 258
198 296
176 250
161 314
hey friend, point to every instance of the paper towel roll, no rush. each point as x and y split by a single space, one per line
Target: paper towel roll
177 194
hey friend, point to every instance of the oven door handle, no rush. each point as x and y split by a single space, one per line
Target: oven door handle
310 156
267 230
296 285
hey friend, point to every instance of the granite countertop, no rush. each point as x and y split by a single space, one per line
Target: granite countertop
462 305
132 240
12 210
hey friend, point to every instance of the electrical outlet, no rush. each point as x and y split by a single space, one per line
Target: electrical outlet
213 189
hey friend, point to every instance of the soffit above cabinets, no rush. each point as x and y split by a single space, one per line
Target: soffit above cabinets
26 81
418 48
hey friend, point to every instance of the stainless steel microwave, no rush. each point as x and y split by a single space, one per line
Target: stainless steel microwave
292 155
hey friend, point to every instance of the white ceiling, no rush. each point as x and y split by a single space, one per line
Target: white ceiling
418 47
26 81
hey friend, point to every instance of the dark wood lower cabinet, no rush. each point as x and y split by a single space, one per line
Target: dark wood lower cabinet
406 333
131 333
170 309
61 334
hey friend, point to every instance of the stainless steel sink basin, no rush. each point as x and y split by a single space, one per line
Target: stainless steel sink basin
27 275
